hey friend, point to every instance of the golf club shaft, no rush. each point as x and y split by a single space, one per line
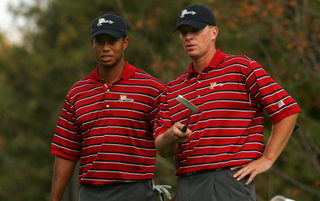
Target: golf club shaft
184 129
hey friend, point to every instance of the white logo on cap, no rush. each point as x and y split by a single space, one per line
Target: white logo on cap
102 20
186 12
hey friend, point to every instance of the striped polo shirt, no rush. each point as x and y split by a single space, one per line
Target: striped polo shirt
109 128
231 94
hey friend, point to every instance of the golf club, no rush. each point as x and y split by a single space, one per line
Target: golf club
188 105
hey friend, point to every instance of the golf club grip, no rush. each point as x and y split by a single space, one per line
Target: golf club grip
184 129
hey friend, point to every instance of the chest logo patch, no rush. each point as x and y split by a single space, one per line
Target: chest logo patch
123 98
214 84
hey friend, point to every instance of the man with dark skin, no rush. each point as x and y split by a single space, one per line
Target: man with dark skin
107 122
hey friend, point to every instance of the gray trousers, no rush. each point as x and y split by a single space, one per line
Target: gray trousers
132 191
214 186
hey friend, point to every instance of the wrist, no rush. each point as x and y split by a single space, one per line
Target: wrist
268 160
169 137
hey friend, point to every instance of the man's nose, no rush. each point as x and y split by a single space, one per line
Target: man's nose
189 35
106 46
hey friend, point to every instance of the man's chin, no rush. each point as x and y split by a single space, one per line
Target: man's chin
192 55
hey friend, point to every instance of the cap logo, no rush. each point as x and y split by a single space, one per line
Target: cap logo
186 12
102 20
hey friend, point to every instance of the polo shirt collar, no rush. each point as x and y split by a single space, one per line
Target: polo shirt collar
128 71
216 60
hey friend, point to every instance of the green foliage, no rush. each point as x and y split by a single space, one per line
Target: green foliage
283 36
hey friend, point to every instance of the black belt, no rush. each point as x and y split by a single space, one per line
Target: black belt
190 173
85 184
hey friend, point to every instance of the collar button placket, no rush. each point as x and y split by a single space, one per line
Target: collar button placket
197 89
106 91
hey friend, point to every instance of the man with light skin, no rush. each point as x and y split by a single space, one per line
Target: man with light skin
222 151
106 123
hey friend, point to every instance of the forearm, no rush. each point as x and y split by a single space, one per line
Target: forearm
63 170
165 146
281 132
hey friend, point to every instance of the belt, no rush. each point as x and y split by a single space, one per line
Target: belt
96 185
120 183
190 173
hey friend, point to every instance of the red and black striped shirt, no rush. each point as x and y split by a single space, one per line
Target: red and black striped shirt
109 128
231 94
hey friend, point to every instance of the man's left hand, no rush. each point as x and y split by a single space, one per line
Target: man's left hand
253 169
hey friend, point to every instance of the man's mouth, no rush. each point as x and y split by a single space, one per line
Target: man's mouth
106 57
190 46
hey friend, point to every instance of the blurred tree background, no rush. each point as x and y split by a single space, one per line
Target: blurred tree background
35 76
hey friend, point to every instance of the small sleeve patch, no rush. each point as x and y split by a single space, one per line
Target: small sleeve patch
280 104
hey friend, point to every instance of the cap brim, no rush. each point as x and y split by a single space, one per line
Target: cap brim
193 23
114 33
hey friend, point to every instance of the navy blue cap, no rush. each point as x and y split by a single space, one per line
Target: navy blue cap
109 24
197 16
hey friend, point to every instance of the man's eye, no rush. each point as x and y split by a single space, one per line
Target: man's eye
194 30
183 32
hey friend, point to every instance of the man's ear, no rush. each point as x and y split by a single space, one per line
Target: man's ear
214 31
125 43
91 40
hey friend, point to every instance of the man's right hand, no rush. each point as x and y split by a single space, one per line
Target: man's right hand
167 143
176 135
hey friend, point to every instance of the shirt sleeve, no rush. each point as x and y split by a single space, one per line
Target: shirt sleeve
155 106
268 94
66 140
163 120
